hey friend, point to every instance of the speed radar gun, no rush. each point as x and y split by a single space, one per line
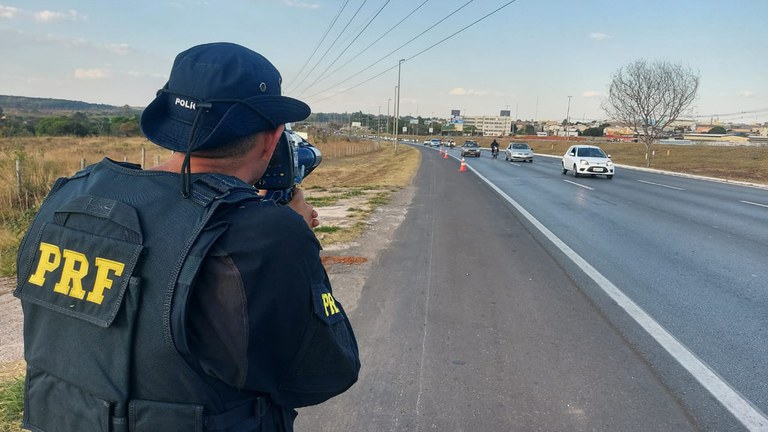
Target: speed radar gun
294 158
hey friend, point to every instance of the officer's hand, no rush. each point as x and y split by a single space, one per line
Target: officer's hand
302 207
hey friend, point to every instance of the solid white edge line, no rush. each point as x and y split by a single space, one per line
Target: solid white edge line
741 408
754 204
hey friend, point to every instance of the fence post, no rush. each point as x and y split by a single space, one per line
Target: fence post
18 178
143 157
82 163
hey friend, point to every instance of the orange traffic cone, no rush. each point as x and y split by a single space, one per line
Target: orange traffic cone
445 155
463 166
440 150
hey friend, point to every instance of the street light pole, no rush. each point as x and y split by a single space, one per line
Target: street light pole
397 103
394 113
388 101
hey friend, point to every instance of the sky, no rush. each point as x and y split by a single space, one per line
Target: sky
539 59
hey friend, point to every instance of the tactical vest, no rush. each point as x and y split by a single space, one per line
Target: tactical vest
104 273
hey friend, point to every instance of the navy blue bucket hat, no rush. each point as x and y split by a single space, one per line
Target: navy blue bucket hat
216 93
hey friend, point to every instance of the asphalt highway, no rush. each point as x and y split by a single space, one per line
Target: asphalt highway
514 298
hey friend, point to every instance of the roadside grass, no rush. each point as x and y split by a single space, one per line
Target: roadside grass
359 184
11 404
11 396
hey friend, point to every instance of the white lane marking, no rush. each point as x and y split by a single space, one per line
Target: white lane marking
741 408
661 185
579 185
754 204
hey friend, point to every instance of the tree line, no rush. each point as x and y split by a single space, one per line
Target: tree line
76 124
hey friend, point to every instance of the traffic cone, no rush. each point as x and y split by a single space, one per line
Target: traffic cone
463 166
440 150
445 155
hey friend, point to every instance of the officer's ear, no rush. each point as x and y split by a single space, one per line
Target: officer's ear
270 139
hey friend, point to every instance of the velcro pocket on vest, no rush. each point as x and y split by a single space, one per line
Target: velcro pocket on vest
151 416
52 404
79 274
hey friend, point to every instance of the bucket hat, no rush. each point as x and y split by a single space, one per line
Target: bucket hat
218 92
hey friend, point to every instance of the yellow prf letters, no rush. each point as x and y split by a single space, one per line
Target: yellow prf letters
329 304
74 269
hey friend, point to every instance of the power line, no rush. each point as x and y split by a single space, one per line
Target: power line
334 42
322 39
415 55
348 45
378 39
734 114
395 50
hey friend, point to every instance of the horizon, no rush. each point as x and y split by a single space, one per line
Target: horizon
535 59
447 118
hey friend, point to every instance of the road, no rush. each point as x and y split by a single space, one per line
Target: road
474 319
690 253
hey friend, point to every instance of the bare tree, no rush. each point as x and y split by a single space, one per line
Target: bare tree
649 97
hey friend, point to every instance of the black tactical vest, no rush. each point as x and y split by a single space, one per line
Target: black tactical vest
103 275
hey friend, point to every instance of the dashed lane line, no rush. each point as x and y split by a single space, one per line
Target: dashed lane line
661 185
579 185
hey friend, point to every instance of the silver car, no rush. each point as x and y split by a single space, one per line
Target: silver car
587 160
470 148
518 151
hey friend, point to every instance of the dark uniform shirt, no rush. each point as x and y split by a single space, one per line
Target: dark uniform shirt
262 316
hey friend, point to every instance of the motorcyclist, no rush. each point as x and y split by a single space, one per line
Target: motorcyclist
494 148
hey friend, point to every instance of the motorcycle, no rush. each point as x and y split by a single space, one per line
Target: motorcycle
495 152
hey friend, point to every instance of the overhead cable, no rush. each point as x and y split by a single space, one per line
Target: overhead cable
372 43
413 56
332 44
348 45
396 49
322 39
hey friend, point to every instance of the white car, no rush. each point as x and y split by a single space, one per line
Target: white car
588 160
518 151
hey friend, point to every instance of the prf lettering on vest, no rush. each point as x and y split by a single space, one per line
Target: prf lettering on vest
329 304
74 268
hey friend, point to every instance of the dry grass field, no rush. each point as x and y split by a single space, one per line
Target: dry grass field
360 174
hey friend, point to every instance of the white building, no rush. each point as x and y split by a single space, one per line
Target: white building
490 125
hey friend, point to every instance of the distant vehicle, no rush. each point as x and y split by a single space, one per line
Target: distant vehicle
518 151
449 143
470 148
587 160
427 143
435 142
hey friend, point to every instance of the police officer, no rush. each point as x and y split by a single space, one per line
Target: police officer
177 299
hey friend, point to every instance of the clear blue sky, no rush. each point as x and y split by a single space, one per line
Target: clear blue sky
528 57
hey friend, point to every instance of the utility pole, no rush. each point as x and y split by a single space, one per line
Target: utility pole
397 104
568 120
394 109
388 101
